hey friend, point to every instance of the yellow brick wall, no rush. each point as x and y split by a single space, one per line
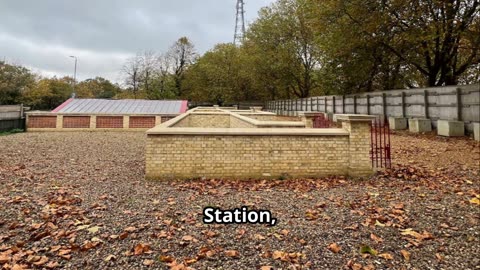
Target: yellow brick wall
191 156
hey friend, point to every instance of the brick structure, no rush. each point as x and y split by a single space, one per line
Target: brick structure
42 122
249 148
109 122
76 122
142 122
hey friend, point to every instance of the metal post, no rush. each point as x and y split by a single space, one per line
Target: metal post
459 104
403 105
343 104
325 104
333 100
384 105
425 102
368 104
74 75
354 104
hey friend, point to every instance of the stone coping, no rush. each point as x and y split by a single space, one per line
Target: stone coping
355 117
249 131
94 114
269 123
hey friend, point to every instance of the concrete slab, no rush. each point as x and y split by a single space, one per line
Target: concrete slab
450 128
397 123
417 125
476 131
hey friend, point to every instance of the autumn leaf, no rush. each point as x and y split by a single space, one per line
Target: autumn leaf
43 260
93 229
187 238
386 256
148 262
4 258
232 253
405 254
140 249
278 254
334 247
475 200
130 229
165 259
266 267
109 258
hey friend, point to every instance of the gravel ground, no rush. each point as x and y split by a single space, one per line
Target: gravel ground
79 201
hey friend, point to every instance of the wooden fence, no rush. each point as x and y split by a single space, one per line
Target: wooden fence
12 117
460 103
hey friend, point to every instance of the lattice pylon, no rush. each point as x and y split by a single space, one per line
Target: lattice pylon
239 23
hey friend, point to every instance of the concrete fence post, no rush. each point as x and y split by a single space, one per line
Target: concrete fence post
425 103
459 104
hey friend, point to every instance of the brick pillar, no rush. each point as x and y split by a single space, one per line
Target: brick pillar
158 120
93 121
126 121
59 122
307 118
359 143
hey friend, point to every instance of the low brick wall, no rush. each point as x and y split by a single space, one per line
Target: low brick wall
174 152
39 122
76 122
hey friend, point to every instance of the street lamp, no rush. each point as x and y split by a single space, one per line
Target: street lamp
74 75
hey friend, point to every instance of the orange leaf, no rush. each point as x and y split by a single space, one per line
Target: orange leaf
405 254
386 256
334 247
232 253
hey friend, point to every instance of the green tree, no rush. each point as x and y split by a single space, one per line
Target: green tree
96 88
14 82
47 94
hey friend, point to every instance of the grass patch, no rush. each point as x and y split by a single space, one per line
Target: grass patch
10 132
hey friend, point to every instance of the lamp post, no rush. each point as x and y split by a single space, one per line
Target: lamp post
74 75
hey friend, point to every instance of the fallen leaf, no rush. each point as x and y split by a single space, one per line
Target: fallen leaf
43 260
475 200
148 262
166 259
405 254
4 258
110 258
266 267
140 249
187 238
93 229
232 253
386 256
334 247
367 249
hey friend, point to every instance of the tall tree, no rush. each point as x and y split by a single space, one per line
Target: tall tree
14 82
181 55
132 71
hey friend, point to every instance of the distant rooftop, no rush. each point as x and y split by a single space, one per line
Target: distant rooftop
126 106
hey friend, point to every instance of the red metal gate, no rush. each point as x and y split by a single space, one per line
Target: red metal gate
380 151
320 121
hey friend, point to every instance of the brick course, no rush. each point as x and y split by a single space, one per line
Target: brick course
142 122
42 122
109 122
76 121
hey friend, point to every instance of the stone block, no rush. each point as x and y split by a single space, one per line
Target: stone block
450 128
476 131
397 123
418 125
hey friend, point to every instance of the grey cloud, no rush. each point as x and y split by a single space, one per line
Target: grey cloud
103 33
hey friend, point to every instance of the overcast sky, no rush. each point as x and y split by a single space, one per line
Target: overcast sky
103 33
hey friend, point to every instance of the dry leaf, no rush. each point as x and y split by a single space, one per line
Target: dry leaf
405 254
386 256
148 262
334 247
232 253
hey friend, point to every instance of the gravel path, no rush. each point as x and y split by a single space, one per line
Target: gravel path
79 201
